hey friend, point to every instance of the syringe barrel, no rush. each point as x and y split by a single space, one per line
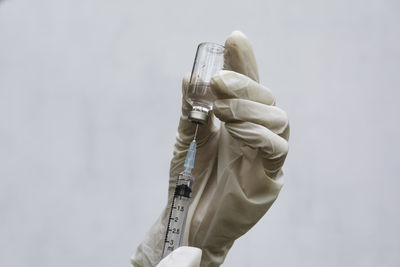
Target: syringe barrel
178 213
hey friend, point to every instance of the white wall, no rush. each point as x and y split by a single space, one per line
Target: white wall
82 85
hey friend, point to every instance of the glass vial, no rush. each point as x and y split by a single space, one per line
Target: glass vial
208 61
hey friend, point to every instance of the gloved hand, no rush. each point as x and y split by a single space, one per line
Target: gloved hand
238 165
182 257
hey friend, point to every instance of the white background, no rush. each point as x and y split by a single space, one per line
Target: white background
89 106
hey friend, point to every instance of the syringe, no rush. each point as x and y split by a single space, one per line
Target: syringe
180 202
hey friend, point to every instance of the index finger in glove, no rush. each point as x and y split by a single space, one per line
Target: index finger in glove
235 110
229 84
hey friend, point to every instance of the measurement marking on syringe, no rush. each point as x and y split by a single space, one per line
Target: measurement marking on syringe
180 204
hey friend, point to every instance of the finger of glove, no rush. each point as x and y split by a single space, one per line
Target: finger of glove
242 110
273 147
239 55
187 128
182 257
230 84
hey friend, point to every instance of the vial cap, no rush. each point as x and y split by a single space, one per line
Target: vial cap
198 116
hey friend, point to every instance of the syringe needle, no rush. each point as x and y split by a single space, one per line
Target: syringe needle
195 133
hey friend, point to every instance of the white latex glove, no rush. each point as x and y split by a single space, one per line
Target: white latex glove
182 257
238 166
